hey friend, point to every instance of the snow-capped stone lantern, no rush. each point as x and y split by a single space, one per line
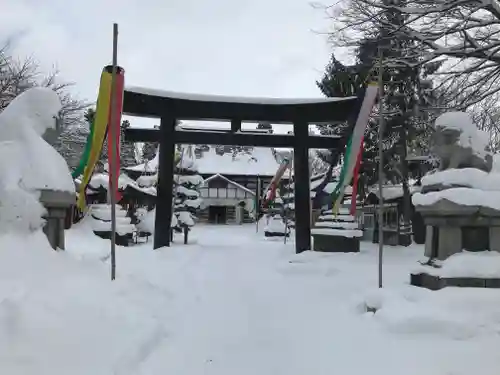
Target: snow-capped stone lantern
36 187
459 203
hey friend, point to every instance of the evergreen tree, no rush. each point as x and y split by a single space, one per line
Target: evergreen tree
127 149
407 101
187 199
149 150
73 139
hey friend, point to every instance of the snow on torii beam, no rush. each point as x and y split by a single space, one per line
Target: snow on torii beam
170 107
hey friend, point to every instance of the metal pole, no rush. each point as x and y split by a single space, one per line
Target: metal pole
380 167
257 204
112 162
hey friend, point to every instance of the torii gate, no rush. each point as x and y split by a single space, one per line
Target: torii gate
171 107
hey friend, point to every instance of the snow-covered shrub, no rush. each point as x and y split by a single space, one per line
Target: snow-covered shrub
187 197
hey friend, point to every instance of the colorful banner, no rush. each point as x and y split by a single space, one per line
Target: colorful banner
273 186
99 130
354 145
355 180
114 142
86 153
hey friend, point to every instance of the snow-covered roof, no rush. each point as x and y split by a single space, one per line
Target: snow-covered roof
230 99
391 192
229 181
260 162
148 167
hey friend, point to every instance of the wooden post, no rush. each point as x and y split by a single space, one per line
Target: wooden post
302 188
111 169
164 193
186 233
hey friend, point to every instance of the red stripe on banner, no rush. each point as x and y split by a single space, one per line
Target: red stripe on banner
355 179
120 83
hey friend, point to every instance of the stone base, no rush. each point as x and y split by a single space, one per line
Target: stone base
335 244
276 234
120 240
432 282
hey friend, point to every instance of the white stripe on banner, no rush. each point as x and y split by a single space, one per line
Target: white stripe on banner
359 129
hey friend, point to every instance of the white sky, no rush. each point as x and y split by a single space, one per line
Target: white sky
265 48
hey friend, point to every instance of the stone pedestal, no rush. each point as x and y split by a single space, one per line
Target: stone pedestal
452 228
434 282
56 203
335 244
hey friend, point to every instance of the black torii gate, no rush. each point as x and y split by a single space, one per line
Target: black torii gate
170 107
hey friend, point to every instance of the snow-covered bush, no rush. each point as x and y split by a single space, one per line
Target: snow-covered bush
187 197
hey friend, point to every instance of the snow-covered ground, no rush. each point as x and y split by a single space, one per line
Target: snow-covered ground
232 303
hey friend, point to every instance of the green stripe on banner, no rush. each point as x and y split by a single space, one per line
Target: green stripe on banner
343 171
86 153
354 144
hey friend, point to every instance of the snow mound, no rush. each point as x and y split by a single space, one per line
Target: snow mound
28 163
62 316
457 314
472 177
147 220
460 196
483 189
467 264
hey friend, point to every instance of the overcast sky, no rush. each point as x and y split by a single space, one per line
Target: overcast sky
265 48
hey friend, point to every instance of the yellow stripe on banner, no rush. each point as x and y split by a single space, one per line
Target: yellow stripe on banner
100 127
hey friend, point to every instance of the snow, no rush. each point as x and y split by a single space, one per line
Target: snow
185 218
483 189
391 192
150 166
260 162
232 303
22 124
230 99
461 196
191 179
59 315
218 175
467 264
342 217
470 136
275 225
187 192
101 180
194 203
337 232
337 224
472 177
105 226
147 180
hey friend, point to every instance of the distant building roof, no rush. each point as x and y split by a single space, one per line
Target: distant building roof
259 162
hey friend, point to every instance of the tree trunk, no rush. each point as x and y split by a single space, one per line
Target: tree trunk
186 232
